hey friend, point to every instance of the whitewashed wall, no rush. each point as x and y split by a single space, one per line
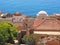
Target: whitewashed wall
47 32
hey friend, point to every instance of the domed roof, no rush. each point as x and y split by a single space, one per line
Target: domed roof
42 13
17 13
2 15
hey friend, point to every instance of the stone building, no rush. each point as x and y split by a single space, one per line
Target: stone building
48 28
18 20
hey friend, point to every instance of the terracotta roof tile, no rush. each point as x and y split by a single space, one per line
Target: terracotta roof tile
37 23
53 42
48 24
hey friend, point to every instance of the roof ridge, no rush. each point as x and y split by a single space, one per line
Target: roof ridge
45 20
57 21
41 22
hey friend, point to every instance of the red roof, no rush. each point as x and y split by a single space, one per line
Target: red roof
47 24
53 42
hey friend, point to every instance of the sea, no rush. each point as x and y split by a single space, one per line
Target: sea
30 7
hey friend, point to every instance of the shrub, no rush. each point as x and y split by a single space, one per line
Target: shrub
29 40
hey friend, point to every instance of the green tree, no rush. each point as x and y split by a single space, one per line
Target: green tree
8 32
29 40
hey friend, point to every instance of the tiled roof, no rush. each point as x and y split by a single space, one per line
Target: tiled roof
37 22
47 24
53 42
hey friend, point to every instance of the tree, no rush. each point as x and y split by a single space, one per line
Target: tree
7 32
29 40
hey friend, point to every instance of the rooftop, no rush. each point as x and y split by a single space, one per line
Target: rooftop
42 13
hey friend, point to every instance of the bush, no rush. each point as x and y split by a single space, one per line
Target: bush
29 40
58 37
8 44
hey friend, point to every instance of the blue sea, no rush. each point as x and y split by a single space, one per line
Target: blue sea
30 7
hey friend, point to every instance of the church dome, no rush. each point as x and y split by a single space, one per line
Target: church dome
17 14
42 13
2 15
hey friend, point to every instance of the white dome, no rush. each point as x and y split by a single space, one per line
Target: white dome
42 12
2 15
